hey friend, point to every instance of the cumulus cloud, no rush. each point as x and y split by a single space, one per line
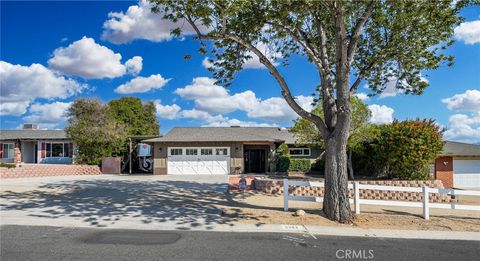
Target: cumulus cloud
467 101
134 65
48 115
213 98
237 122
21 85
87 59
169 112
381 114
201 116
468 32
138 22
362 96
253 62
464 128
142 84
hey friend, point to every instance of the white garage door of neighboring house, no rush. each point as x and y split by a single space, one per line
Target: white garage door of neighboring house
198 160
466 173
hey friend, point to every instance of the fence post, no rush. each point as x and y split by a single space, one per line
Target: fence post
285 194
426 210
356 198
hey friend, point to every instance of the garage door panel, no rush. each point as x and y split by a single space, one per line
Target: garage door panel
198 164
466 173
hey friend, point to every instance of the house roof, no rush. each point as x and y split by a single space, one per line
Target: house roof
33 135
453 148
212 134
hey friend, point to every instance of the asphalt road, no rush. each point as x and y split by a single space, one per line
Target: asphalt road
54 243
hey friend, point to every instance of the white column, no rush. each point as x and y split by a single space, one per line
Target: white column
285 194
426 210
356 198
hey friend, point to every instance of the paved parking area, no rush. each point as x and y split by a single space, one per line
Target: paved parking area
104 201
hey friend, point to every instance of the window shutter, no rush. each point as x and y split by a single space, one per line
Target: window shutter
43 154
1 150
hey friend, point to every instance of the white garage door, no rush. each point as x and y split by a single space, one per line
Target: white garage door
201 160
466 173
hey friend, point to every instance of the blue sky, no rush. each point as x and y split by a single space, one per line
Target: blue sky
54 52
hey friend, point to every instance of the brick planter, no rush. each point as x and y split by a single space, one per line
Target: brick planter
272 186
44 170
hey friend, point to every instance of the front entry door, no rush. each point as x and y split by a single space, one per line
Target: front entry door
254 161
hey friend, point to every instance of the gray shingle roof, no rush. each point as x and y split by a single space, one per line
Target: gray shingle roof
32 134
453 148
205 134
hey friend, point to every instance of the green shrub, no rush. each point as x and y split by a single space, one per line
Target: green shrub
8 165
302 165
283 163
318 165
405 149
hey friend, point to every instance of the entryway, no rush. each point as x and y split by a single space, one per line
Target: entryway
254 160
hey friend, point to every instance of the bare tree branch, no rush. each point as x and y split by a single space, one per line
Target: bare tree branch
357 31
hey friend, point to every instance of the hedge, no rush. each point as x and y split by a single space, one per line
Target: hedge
285 164
302 165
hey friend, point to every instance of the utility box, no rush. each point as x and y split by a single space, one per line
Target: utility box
111 165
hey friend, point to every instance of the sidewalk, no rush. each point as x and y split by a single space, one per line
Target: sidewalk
265 228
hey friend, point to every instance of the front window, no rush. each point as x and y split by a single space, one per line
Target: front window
56 150
299 151
7 150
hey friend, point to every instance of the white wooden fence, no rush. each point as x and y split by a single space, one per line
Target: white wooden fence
425 204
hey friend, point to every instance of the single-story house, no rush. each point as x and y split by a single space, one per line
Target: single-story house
32 145
222 150
458 165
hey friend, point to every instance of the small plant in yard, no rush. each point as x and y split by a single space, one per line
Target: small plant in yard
8 165
283 163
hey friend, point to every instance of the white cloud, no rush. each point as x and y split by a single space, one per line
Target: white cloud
21 85
167 111
134 65
236 122
277 109
87 59
464 128
253 62
48 115
213 98
138 22
142 84
362 96
468 32
381 114
391 89
467 101
13 108
202 116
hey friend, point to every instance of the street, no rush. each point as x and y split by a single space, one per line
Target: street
60 243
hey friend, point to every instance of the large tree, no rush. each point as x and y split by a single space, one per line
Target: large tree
348 42
360 130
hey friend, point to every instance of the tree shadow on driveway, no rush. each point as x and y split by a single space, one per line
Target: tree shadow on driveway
182 204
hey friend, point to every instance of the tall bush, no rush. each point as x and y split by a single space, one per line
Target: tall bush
404 149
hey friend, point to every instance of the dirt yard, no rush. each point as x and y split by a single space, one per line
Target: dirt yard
259 209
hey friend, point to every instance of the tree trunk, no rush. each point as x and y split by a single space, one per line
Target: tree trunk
350 166
336 205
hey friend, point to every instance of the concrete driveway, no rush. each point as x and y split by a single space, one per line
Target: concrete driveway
181 202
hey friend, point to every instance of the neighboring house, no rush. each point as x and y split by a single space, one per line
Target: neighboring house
459 165
222 150
31 145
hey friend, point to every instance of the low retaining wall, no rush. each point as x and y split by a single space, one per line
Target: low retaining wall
43 170
272 186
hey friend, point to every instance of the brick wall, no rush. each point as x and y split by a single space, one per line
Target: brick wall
272 186
43 170
444 170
